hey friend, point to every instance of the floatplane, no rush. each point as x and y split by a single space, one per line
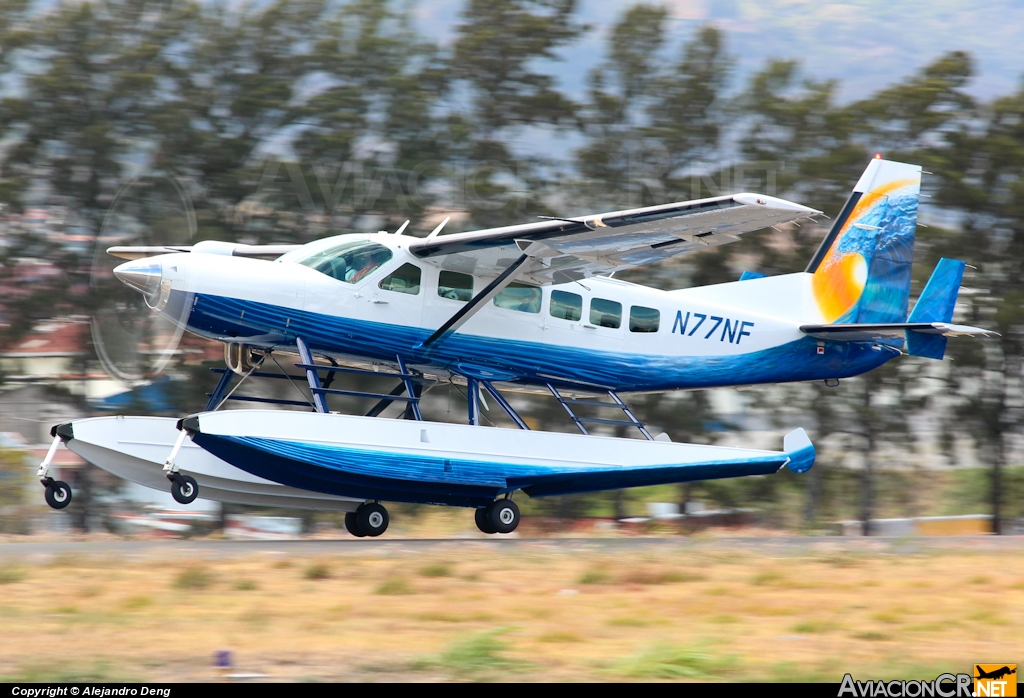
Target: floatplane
527 307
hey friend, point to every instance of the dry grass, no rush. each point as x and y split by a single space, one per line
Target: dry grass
526 613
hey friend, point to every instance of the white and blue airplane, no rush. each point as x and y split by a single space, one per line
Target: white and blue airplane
526 307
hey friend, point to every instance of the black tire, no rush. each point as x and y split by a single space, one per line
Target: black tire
352 524
58 494
503 515
481 521
372 519
184 489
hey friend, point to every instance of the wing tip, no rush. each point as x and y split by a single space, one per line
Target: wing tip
751 199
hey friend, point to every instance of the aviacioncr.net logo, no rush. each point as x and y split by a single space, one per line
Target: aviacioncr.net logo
942 686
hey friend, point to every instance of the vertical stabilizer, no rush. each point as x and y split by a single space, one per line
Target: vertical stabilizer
936 304
861 271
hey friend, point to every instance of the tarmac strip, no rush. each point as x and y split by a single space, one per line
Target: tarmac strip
46 551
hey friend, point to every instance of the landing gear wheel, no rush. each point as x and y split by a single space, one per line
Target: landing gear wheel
58 494
184 489
372 519
481 521
352 524
503 515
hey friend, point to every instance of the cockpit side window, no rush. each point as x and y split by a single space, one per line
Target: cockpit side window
405 279
349 260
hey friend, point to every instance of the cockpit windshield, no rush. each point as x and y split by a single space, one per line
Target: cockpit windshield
348 258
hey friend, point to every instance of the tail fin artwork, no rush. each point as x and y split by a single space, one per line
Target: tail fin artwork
936 305
860 275
861 271
928 326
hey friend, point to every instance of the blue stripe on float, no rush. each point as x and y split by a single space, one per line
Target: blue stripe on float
420 478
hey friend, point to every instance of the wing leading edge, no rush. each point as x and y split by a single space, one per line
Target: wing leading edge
565 250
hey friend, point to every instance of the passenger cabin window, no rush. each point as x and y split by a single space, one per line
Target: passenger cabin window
456 286
565 305
643 319
346 258
405 279
521 297
605 313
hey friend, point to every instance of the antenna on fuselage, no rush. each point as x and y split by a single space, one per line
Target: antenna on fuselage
402 228
440 225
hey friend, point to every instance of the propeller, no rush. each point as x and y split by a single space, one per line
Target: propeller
133 342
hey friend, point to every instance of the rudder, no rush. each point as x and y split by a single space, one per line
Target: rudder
936 304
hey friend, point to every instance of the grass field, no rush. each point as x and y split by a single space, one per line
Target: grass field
534 611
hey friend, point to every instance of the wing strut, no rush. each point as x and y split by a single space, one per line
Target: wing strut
469 309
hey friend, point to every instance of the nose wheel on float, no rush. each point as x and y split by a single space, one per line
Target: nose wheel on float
370 519
184 488
57 492
500 516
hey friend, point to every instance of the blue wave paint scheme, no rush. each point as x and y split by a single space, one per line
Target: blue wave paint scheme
218 317
425 479
887 244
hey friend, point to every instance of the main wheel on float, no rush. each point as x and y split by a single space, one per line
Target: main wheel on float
353 525
372 519
503 516
481 521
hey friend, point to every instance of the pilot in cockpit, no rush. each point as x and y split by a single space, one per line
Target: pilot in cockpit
366 263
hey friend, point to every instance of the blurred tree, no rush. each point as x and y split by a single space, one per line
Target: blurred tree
499 92
15 479
648 118
983 176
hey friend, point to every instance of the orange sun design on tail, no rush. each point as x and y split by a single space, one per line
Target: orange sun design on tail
838 284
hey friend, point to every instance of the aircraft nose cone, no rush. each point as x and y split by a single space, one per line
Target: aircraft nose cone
144 277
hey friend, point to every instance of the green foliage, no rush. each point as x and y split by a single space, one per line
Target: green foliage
673 662
479 656
64 672
436 570
317 570
193 578
395 586
10 574
15 479
594 577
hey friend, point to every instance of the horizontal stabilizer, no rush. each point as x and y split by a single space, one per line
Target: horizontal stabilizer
873 332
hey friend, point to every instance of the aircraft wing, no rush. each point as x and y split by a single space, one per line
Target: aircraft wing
563 250
207 247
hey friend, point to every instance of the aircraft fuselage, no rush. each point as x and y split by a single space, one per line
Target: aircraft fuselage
599 332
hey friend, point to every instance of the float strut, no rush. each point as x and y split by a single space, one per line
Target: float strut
319 400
